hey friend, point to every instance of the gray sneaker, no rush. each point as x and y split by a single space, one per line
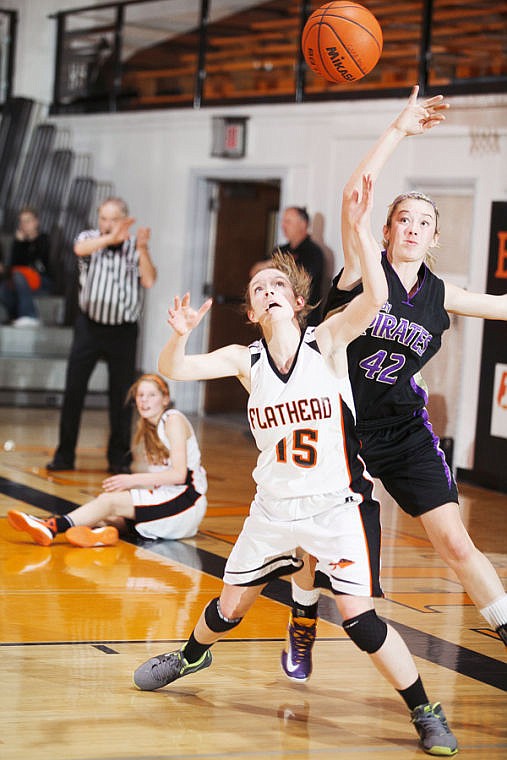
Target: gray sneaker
166 668
431 725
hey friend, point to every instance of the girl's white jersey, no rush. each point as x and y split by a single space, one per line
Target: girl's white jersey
172 511
199 479
301 423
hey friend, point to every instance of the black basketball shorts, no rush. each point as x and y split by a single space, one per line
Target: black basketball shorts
407 458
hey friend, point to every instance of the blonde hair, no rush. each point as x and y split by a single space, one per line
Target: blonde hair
298 278
415 195
145 432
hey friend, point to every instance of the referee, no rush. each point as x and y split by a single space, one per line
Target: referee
114 269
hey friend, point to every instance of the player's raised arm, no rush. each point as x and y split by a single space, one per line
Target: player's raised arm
414 119
176 364
351 322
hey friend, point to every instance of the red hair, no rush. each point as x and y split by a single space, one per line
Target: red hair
145 432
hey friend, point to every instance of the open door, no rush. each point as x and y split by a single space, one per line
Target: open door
245 225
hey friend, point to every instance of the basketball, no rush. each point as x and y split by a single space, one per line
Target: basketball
342 41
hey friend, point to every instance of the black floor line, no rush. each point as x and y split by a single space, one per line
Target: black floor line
459 659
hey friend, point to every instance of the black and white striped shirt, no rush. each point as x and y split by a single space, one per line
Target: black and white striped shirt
110 291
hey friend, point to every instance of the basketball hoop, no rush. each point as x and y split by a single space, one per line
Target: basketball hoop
484 140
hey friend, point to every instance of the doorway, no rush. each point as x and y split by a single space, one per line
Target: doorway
244 220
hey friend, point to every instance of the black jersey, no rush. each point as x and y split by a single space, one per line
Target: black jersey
385 359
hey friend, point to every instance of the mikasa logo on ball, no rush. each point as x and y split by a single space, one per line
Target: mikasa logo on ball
337 61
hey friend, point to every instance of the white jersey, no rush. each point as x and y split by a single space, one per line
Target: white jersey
199 480
172 511
300 420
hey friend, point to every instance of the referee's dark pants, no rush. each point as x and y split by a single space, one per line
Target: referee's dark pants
115 344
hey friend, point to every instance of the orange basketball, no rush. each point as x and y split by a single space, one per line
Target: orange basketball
342 41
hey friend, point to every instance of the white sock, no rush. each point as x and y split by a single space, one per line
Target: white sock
302 597
496 612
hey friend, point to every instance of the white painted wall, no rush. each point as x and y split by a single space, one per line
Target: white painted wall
154 158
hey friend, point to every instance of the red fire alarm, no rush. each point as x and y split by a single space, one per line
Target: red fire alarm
229 136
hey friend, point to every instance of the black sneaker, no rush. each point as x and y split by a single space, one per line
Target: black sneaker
435 735
119 469
57 466
166 668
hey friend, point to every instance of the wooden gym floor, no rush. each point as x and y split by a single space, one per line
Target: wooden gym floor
76 622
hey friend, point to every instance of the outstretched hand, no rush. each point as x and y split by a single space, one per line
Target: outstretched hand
120 230
143 235
357 205
417 118
183 318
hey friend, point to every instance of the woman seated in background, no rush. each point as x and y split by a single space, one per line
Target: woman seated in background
27 272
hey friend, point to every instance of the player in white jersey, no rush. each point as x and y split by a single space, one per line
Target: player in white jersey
307 470
167 500
312 490
317 420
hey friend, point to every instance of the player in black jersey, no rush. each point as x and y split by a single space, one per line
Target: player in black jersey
398 444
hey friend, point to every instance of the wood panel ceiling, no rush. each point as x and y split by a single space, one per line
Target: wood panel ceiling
253 52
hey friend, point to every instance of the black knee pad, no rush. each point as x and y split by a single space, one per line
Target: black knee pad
367 631
216 621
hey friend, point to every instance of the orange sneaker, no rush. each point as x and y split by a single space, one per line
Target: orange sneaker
85 537
36 528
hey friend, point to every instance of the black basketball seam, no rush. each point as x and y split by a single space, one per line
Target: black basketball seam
322 21
318 21
324 62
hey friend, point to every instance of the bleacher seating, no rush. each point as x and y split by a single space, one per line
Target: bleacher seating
33 359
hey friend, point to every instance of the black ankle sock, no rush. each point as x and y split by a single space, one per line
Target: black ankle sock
300 610
63 523
502 632
415 695
193 650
